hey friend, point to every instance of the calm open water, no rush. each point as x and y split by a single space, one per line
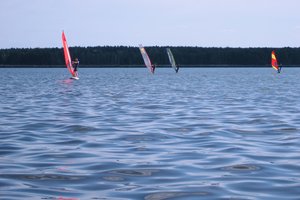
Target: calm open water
126 134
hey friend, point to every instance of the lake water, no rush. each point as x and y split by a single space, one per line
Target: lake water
126 134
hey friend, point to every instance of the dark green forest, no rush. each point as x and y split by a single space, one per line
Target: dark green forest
130 56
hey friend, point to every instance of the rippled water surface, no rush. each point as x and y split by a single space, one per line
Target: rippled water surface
127 134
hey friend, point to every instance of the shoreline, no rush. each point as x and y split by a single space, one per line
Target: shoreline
142 66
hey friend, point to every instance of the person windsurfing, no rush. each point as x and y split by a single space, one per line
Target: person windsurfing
279 68
153 68
177 68
75 64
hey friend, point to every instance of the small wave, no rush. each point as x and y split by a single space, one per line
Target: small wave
46 177
139 172
113 178
169 195
241 168
80 128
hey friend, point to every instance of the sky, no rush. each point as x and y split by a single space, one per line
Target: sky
203 23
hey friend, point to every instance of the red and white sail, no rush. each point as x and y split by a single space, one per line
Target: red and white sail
68 59
146 59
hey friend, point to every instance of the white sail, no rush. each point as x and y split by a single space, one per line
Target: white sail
172 60
146 58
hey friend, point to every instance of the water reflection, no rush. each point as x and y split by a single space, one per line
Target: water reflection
199 134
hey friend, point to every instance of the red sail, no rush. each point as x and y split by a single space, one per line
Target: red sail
274 61
67 55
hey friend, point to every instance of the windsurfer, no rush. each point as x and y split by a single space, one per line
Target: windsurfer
279 68
75 64
153 68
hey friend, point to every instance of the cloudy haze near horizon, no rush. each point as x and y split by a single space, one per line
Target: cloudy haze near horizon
213 23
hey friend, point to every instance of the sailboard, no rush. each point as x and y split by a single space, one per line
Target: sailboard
274 62
146 59
172 60
68 59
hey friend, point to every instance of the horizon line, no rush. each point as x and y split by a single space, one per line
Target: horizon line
164 46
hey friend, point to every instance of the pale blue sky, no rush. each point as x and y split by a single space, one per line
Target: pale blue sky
209 23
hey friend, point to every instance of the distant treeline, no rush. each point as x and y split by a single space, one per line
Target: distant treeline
130 56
